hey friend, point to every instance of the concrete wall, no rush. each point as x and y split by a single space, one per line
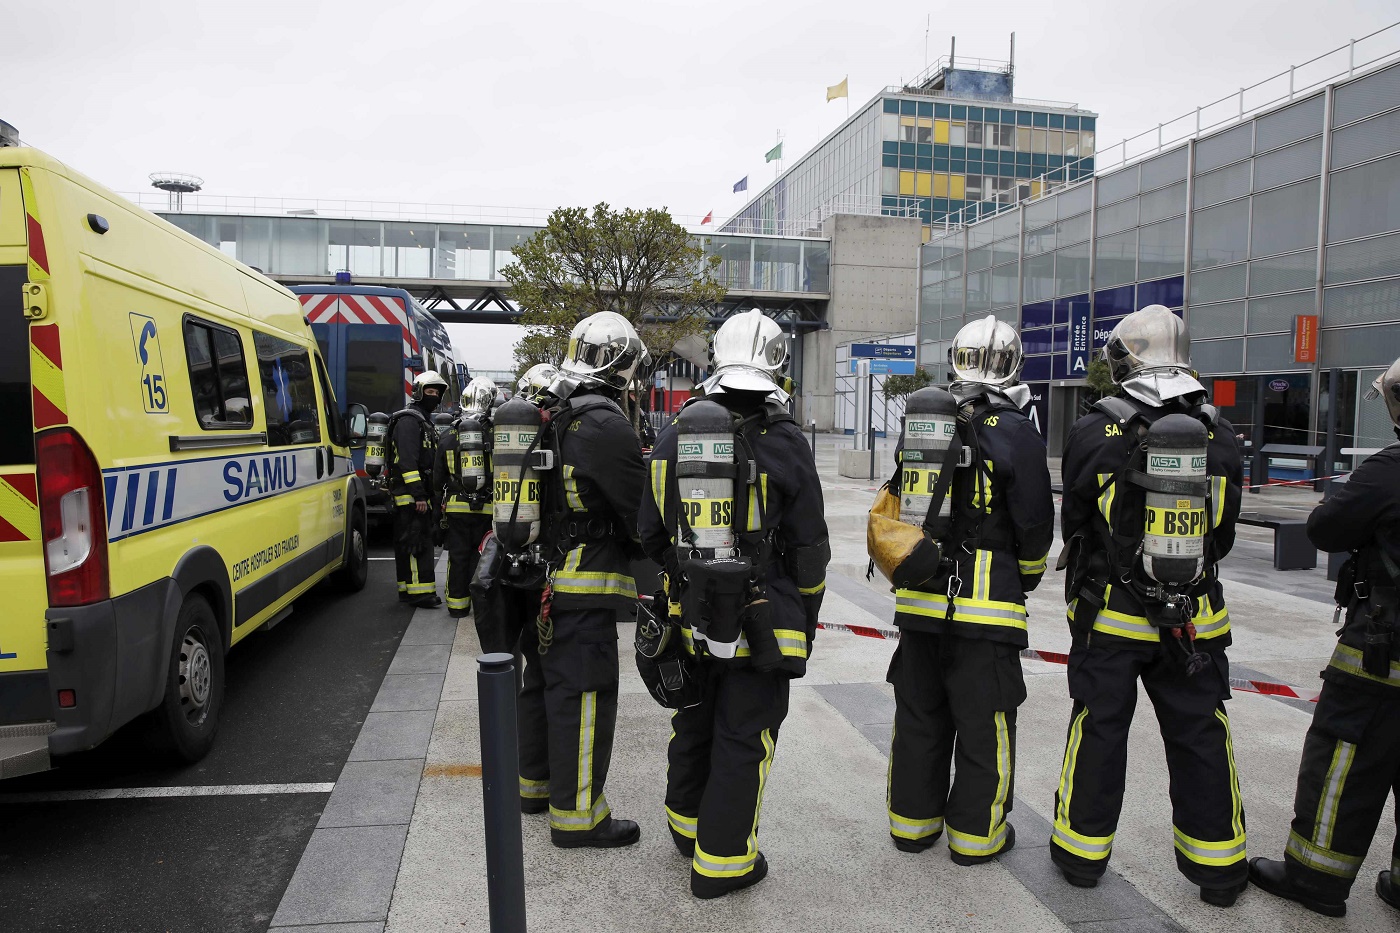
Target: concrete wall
874 290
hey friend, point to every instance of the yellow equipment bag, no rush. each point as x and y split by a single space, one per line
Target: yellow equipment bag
902 552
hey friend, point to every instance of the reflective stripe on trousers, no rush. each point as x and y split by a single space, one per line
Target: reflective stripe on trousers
1316 853
1095 848
732 866
535 790
992 843
588 812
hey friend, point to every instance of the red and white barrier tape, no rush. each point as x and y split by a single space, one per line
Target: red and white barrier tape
1297 482
1261 687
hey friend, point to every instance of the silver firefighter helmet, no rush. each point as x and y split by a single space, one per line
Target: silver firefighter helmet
1387 386
749 353
479 395
604 350
987 351
1151 339
536 380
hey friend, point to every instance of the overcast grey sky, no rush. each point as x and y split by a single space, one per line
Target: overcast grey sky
538 104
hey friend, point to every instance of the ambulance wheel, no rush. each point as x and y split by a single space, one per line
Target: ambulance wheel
188 716
352 576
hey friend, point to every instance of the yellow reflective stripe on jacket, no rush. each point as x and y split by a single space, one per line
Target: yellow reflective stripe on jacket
457 507
812 590
1106 497
1111 622
982 493
410 476
758 496
1330 862
403 500
571 495
1226 852
1029 568
1217 492
1348 660
658 485
570 579
972 611
791 643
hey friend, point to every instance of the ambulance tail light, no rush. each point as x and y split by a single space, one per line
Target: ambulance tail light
73 519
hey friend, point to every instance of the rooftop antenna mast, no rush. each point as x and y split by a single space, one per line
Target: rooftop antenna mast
1011 66
953 54
176 185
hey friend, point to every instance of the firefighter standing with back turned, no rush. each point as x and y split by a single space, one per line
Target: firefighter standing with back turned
960 605
734 514
1152 480
586 539
1351 757
463 473
412 441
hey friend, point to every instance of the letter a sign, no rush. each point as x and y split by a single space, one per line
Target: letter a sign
1081 339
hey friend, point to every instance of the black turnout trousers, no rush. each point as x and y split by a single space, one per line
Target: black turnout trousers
955 698
1207 813
1351 763
413 551
464 534
719 758
567 715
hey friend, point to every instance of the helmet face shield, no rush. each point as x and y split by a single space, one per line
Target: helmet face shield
604 349
479 395
1387 386
1153 338
425 381
987 351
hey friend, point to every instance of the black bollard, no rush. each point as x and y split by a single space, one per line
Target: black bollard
500 792
813 425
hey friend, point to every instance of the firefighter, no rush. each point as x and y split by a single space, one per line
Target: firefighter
463 474
1351 757
1132 616
957 671
568 705
535 381
747 641
413 448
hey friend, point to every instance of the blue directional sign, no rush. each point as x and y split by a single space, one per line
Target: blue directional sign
1081 339
887 367
881 351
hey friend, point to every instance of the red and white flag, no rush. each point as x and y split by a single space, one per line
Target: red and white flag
708 217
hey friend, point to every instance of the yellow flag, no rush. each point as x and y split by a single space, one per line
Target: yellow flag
838 90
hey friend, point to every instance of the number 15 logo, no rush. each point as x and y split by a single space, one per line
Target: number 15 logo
147 343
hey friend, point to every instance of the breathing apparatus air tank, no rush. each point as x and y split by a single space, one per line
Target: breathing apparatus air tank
1174 519
376 429
471 453
705 477
442 423
930 425
517 489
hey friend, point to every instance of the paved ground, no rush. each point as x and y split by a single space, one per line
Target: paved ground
296 699
398 844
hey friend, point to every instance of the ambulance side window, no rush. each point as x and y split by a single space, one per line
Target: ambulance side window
289 391
218 376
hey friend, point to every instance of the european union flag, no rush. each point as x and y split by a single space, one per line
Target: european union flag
741 185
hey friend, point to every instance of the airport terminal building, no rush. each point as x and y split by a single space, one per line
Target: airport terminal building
1276 238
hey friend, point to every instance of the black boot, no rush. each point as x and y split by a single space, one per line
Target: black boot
609 834
426 601
1272 876
1079 881
1386 889
960 859
534 805
1223 897
705 887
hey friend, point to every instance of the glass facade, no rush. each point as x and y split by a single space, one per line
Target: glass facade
300 246
927 155
1295 212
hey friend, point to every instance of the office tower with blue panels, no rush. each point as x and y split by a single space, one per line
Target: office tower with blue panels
950 145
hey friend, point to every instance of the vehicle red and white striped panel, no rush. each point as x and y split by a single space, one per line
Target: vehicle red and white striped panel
363 309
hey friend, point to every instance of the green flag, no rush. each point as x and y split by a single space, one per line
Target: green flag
775 153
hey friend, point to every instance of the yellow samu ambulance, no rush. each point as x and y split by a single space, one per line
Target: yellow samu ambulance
174 469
